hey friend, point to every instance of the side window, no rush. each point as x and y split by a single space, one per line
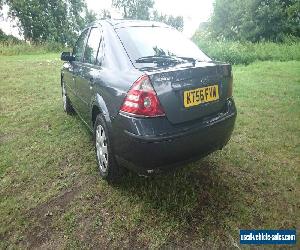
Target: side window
91 50
79 46
101 51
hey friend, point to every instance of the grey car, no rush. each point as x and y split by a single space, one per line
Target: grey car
152 99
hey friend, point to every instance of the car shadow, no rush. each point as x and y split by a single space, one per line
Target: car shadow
196 197
199 198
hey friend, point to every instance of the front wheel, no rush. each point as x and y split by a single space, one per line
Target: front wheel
108 167
66 101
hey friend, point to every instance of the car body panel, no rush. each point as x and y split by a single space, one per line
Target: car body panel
154 152
113 78
170 85
68 79
146 144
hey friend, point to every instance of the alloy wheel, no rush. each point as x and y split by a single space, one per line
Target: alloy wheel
101 148
64 96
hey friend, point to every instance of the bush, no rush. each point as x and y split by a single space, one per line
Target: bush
8 48
235 52
8 38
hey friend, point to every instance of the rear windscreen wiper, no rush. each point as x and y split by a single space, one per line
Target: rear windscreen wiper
157 59
167 59
189 59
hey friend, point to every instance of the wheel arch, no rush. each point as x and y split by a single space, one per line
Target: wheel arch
99 107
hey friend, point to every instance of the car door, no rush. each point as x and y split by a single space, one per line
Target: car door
71 67
89 70
76 67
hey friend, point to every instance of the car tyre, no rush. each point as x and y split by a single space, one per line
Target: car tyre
107 165
68 108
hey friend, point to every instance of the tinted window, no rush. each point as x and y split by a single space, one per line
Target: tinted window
158 41
101 51
79 46
92 46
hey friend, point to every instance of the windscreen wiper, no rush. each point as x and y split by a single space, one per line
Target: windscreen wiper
157 59
192 60
189 59
166 59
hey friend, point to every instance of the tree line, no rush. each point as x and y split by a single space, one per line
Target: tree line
255 20
243 20
60 21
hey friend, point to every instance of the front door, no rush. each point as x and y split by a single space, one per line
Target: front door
76 67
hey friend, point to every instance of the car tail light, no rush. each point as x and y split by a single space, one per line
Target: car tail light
230 87
142 100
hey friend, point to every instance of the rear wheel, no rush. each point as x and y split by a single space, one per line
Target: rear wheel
108 167
66 101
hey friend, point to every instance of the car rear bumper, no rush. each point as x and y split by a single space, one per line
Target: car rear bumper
153 153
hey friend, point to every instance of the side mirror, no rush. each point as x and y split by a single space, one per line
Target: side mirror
67 56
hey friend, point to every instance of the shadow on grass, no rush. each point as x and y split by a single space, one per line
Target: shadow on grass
196 198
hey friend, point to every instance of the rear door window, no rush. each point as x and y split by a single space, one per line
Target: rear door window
100 55
79 46
92 46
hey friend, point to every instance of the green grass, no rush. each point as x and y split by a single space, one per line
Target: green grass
10 48
51 195
233 52
246 52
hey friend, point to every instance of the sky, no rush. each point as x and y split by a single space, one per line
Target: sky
193 11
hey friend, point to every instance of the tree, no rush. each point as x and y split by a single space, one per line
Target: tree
255 20
8 38
293 12
134 9
51 21
176 22
141 10
105 14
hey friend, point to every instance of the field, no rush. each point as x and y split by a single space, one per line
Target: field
10 48
51 195
236 52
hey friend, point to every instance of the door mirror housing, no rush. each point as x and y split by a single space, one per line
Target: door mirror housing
67 56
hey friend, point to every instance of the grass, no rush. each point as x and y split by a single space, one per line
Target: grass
51 195
246 52
233 52
11 48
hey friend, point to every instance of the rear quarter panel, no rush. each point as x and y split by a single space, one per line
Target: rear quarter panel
116 75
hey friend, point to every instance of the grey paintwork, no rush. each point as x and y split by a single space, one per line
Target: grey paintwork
93 88
87 84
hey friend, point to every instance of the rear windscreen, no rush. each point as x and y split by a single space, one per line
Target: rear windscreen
158 41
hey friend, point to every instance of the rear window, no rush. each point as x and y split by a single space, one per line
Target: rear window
158 41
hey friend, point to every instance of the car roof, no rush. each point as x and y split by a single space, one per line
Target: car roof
122 23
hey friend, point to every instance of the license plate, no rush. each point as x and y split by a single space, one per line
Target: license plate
198 96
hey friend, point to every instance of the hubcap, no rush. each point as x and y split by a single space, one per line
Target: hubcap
64 96
101 148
